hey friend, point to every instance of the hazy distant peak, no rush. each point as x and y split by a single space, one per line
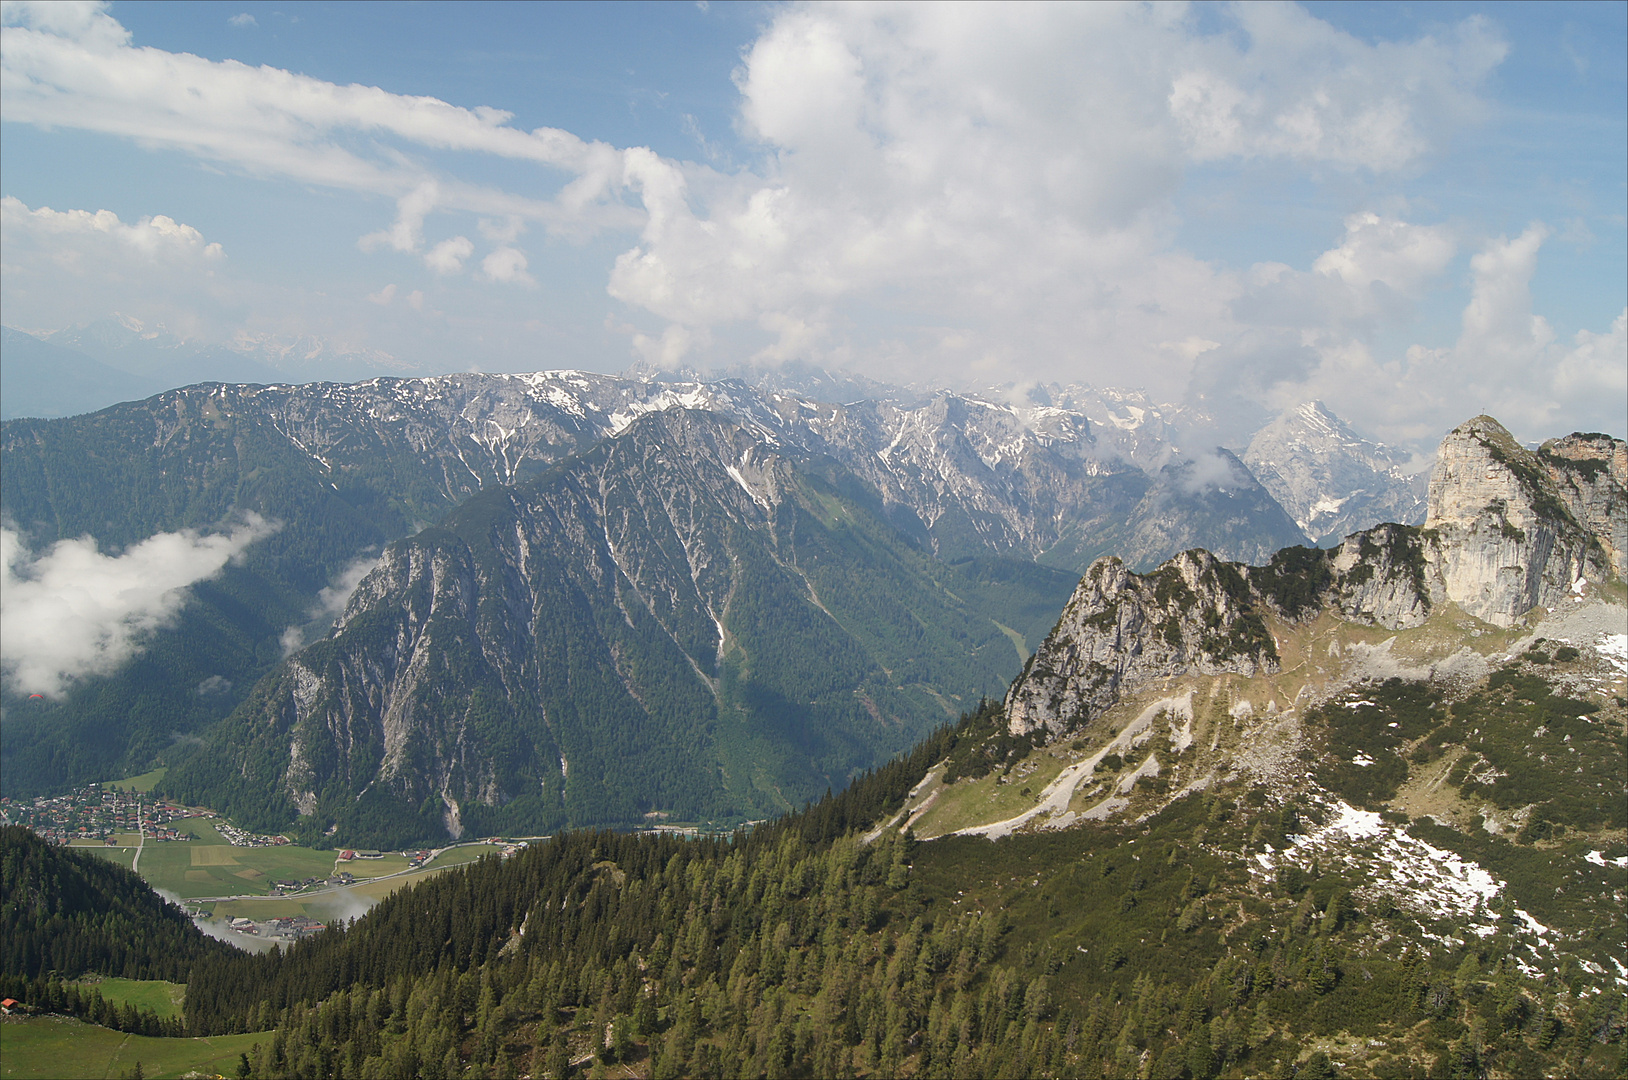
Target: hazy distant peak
101 338
1333 481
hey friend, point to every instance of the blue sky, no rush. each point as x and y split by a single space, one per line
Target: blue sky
1413 212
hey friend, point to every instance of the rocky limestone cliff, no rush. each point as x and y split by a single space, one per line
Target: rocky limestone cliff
1506 536
1121 630
1590 473
1509 530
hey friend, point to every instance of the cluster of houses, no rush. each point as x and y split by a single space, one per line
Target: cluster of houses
238 838
97 813
292 926
296 926
343 877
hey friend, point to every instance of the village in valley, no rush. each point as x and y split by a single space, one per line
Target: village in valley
264 888
105 813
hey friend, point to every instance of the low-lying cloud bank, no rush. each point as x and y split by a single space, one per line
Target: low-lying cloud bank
71 611
330 604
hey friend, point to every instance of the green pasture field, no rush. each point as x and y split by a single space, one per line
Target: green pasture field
209 866
124 856
144 783
58 1046
459 855
203 828
346 902
120 839
262 908
391 863
970 802
163 998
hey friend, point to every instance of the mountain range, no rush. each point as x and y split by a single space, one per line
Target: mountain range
1356 810
968 516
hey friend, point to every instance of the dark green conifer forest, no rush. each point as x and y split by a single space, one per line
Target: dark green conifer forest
813 947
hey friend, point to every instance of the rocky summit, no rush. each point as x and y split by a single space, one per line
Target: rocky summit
1509 532
1515 530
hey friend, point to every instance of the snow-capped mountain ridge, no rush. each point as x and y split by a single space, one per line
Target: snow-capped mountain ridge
1057 472
1332 481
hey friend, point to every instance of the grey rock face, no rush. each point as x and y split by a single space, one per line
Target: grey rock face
1507 540
1508 530
1383 576
968 476
1121 630
683 620
1590 474
1331 480
449 651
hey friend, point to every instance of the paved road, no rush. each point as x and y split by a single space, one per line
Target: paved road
135 863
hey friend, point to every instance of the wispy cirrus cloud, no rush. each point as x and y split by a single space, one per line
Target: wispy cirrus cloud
74 65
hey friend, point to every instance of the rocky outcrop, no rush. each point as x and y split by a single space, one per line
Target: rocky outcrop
1382 576
1120 630
1506 537
1590 474
1508 530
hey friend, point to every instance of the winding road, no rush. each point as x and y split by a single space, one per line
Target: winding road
135 862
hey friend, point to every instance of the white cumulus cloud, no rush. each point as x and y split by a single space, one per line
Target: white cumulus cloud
73 232
1507 361
1394 253
64 266
1002 175
448 256
507 264
1303 90
72 611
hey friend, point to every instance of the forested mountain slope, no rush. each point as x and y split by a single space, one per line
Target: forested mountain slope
344 469
70 912
813 947
686 622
